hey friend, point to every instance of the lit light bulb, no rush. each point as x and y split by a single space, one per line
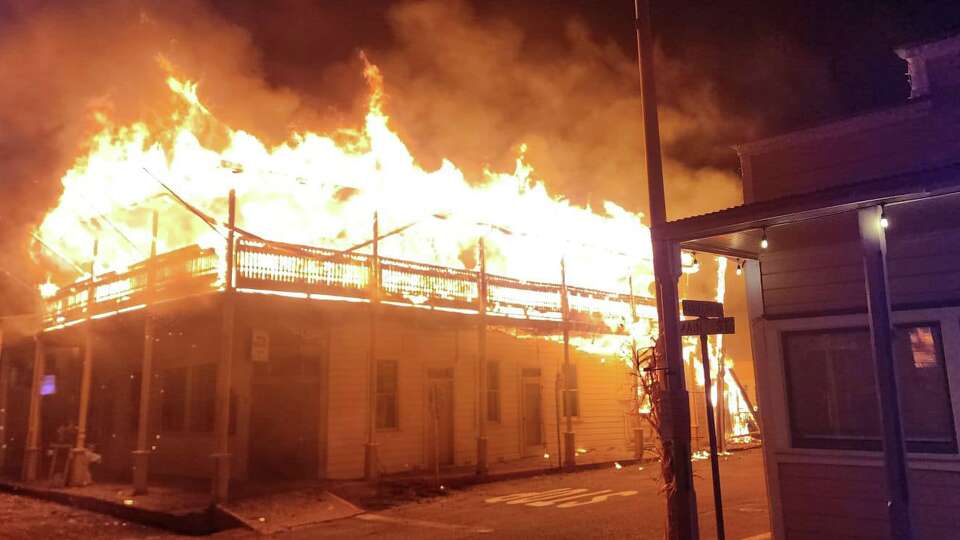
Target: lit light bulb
884 222
695 265
739 269
764 244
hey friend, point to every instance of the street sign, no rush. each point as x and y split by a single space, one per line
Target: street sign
706 327
702 308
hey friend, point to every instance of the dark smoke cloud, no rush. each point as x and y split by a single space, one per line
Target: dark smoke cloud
462 85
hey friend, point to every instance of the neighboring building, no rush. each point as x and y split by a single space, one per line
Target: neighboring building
864 207
301 325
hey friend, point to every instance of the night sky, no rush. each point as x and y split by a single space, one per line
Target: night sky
785 64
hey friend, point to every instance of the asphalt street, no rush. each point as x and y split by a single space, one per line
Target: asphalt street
606 503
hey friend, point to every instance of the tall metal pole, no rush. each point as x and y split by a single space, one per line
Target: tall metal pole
711 431
141 456
79 470
482 359
371 457
874 243
675 423
221 457
569 437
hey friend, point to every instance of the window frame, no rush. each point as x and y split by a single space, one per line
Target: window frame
575 391
494 391
866 444
396 395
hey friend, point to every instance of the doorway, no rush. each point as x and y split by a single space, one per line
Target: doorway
440 415
531 411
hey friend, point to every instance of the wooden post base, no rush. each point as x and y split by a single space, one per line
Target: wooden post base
481 456
221 477
569 450
371 463
141 467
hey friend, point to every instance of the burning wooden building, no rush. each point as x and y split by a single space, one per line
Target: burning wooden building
408 319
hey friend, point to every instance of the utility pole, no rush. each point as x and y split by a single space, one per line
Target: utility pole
675 428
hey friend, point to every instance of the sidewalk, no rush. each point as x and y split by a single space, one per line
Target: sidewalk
181 508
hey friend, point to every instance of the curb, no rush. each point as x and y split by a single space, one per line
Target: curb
208 521
473 479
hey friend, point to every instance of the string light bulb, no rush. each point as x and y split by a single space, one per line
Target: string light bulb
884 222
739 268
764 244
695 264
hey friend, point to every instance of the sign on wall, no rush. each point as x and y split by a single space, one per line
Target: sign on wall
260 346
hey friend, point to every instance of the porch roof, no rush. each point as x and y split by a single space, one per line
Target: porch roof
737 231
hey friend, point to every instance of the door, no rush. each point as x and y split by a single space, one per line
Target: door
532 412
440 415
283 430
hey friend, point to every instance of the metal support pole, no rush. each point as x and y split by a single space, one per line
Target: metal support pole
482 360
681 498
141 456
31 455
371 457
221 458
711 432
569 437
637 429
79 470
873 242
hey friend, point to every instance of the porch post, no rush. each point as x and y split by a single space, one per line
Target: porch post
873 241
569 437
4 382
221 457
141 456
79 470
371 462
482 361
31 455
675 424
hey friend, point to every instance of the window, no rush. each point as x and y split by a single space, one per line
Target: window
173 411
571 391
831 389
203 390
387 402
493 391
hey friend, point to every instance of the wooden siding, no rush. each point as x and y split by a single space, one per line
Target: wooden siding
842 501
916 140
604 390
923 268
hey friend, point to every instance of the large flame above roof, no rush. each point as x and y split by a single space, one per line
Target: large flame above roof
323 190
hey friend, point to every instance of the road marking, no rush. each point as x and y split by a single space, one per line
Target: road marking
566 497
422 523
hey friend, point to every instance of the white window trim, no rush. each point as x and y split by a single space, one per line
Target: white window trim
949 320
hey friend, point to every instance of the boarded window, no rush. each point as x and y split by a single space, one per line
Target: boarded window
203 389
832 391
571 391
173 388
493 391
387 395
